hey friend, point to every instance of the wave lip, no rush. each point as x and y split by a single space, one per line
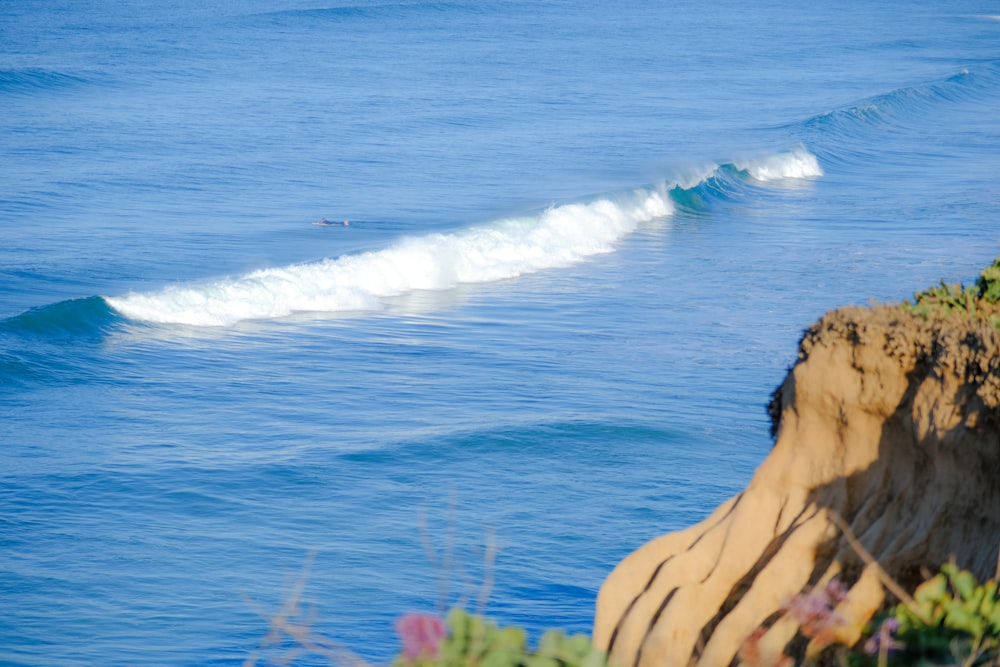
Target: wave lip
73 318
557 237
796 164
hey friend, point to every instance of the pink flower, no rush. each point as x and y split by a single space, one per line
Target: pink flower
421 634
835 591
883 642
815 612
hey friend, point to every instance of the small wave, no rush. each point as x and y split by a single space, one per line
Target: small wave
74 318
30 80
734 180
365 11
856 133
900 104
557 237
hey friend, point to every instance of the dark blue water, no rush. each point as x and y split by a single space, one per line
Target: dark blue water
584 241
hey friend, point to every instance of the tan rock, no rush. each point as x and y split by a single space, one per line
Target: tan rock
888 420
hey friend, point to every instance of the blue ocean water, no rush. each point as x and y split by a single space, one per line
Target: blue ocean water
584 241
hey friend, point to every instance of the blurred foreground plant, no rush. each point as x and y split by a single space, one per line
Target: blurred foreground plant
473 641
953 620
462 640
459 639
818 619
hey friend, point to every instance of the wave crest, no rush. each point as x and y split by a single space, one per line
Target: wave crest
797 164
557 237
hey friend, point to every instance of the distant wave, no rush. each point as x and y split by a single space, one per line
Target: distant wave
30 80
360 10
897 106
856 132
557 237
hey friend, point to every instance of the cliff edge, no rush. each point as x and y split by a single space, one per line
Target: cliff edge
890 419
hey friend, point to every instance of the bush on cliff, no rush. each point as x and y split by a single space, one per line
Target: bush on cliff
989 282
979 301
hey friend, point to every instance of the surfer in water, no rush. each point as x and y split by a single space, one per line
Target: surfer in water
326 223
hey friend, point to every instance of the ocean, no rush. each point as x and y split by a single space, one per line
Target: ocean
584 241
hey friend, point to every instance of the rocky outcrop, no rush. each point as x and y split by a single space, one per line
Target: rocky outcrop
890 420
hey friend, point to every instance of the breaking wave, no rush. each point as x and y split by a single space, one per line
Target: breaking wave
556 237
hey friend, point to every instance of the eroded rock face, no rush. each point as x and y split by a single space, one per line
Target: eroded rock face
888 420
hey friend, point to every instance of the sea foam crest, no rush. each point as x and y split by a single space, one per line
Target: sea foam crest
798 164
557 237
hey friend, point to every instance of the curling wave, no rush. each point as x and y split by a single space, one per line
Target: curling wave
74 318
557 237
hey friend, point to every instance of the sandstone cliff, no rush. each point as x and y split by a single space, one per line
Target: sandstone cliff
888 419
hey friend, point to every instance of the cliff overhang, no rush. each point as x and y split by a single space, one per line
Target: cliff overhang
886 428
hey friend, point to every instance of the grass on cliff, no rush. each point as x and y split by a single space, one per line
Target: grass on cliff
980 301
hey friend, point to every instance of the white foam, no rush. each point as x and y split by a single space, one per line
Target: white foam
797 164
557 237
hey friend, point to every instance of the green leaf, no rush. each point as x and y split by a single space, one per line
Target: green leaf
580 644
989 282
960 618
540 661
512 639
594 658
994 619
974 601
499 659
550 643
964 583
989 595
931 590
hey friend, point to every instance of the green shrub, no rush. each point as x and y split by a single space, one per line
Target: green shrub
953 620
978 301
989 282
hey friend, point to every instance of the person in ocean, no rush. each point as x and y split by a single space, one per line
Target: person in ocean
326 223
